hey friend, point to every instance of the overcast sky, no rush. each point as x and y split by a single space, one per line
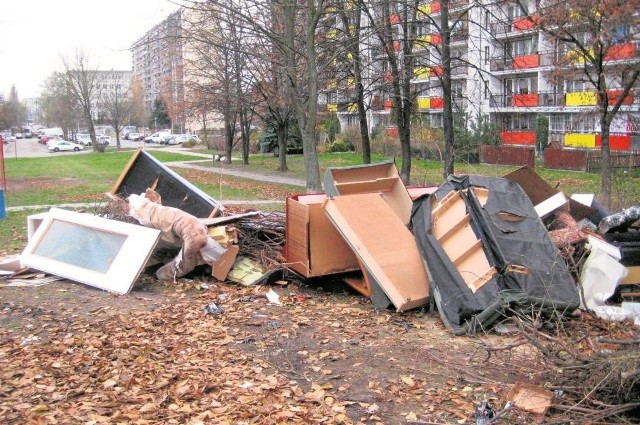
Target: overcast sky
35 33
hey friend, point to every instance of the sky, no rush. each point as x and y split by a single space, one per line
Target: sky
36 34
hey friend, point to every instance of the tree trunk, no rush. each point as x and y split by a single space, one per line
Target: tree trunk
282 130
447 111
606 168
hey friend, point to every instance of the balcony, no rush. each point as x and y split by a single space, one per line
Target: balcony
585 98
515 137
508 63
621 51
526 61
527 100
427 103
614 97
425 41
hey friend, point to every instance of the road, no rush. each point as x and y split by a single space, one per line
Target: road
25 148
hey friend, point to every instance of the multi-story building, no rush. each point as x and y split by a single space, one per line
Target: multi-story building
503 71
108 85
158 64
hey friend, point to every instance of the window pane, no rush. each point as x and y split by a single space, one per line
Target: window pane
80 246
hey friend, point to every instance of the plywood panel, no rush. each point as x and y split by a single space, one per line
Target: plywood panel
384 245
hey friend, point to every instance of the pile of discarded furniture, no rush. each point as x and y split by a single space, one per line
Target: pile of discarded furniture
477 248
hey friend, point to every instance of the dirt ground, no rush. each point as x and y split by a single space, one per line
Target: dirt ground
65 347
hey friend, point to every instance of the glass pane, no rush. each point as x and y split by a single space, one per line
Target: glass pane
80 246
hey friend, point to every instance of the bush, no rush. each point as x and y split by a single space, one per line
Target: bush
339 145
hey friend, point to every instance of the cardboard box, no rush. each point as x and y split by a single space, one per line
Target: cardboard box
314 247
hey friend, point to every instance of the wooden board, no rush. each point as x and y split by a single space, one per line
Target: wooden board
384 246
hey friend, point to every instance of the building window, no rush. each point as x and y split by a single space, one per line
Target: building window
436 120
486 90
486 54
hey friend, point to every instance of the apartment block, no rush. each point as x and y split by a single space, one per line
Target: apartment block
504 70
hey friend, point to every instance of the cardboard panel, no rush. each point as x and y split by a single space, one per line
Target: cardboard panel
314 247
384 245
371 178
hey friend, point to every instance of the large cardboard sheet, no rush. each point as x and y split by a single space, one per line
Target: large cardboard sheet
384 245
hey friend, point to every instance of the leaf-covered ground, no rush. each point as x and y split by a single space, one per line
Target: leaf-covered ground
72 354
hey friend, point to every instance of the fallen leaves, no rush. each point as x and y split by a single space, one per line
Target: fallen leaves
170 365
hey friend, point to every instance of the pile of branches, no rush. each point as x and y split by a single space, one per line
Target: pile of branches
262 237
592 366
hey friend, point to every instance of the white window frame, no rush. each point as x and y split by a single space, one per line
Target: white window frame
124 268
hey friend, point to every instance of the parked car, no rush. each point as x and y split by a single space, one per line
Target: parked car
65 145
82 139
136 137
158 137
182 138
168 140
8 137
101 138
19 135
45 139
53 141
127 130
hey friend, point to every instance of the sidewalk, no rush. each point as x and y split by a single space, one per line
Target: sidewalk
251 175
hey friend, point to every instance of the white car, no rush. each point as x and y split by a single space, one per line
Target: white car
8 137
182 138
101 138
64 145
158 137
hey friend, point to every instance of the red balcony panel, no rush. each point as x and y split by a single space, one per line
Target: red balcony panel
621 51
436 71
518 137
436 39
528 61
437 103
388 77
524 100
618 142
614 96
396 46
524 23
393 131
388 104
435 7
395 19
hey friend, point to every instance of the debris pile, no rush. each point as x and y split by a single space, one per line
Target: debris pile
475 248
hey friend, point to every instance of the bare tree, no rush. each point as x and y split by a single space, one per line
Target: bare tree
117 107
350 14
83 82
137 114
59 106
393 23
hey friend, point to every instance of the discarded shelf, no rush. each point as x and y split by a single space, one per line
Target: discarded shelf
529 269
